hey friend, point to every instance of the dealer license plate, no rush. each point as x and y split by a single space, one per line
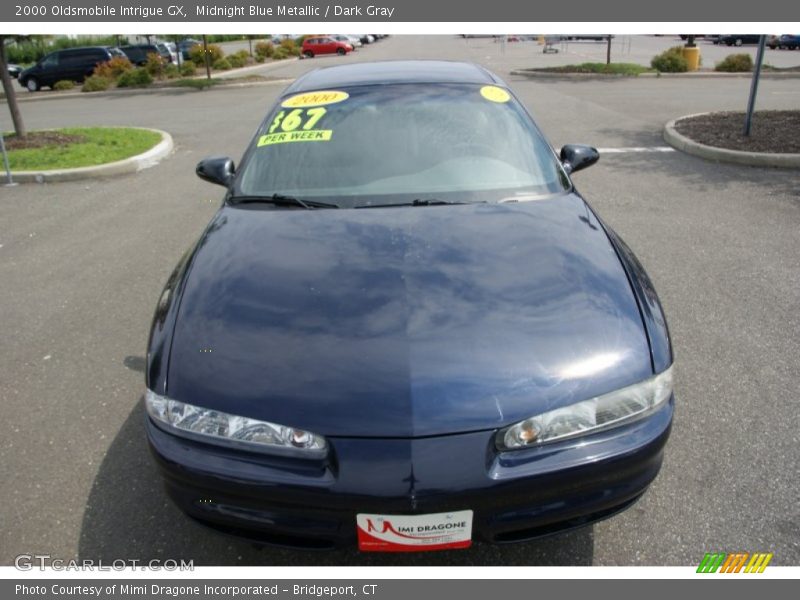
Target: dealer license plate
414 533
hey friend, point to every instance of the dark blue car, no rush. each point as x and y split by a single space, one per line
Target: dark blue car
404 328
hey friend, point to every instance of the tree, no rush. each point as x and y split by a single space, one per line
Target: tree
11 94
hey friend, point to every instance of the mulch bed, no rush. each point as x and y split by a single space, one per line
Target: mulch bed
40 139
772 131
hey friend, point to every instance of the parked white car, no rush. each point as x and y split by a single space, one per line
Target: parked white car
171 48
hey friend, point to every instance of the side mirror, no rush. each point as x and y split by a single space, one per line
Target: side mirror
575 157
216 169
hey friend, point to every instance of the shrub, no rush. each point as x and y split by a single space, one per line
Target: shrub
670 61
188 68
259 58
64 84
96 83
291 48
221 65
235 61
171 71
154 65
736 63
111 69
214 54
264 50
280 54
243 54
135 78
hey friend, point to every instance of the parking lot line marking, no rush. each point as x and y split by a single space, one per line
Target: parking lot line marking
645 149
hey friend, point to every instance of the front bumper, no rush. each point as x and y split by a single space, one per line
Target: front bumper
515 496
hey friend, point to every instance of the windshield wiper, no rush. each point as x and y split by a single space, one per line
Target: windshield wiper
417 202
281 200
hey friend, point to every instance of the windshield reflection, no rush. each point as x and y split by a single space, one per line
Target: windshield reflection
397 143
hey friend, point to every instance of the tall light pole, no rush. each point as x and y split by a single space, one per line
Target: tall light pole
751 102
205 53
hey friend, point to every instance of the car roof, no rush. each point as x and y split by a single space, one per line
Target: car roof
81 48
393 71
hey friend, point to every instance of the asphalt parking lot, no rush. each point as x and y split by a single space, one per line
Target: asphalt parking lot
83 263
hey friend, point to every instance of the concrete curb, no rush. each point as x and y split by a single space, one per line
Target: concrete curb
579 76
120 167
739 157
533 74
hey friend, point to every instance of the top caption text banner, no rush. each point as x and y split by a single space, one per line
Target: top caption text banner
401 11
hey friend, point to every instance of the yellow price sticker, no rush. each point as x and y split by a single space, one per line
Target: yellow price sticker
315 99
299 117
284 137
495 94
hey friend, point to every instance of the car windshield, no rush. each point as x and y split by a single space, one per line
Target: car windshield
389 144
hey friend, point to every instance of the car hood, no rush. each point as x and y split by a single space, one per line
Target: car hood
405 322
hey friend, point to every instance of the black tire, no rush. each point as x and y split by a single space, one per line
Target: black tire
33 84
341 51
308 54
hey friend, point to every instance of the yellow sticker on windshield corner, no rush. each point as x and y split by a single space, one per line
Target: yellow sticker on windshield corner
284 137
315 99
495 94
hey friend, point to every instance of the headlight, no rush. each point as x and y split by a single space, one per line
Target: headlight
217 427
589 416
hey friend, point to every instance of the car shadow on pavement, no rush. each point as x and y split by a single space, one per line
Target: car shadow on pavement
129 517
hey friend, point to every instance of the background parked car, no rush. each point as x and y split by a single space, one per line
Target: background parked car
73 64
596 37
312 46
185 45
277 39
344 38
137 53
788 41
167 49
738 39
14 70
355 40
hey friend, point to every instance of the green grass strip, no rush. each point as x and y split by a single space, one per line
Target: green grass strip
101 145
600 68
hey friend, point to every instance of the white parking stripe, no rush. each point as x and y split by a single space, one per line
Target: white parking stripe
622 150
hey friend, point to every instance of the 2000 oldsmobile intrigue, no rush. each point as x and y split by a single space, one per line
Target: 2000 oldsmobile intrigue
405 328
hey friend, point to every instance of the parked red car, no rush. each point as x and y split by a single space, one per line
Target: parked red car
324 45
